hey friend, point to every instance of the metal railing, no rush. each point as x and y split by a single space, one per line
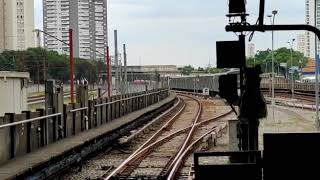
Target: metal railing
79 109
133 97
29 120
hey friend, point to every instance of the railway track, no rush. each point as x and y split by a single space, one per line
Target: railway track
41 98
304 96
162 155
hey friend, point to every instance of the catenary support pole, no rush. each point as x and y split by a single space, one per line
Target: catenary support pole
317 68
125 68
116 60
71 75
109 79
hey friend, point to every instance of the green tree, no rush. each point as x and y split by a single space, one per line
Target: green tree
281 55
33 60
186 70
213 70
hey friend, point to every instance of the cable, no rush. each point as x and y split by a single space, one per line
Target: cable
252 33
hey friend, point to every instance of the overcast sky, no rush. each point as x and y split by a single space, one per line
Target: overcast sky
184 32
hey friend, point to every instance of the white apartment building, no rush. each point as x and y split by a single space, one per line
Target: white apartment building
16 24
301 43
310 19
251 50
87 18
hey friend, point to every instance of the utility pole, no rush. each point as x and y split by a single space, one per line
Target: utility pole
38 67
109 77
117 81
71 66
125 68
292 80
43 55
317 69
44 67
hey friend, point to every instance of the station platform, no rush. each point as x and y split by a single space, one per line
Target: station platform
24 164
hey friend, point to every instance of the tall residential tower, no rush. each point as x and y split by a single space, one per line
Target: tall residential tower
310 20
87 18
16 24
301 43
251 50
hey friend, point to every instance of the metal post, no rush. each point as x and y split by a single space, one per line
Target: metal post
71 66
38 39
116 60
317 69
38 67
125 68
292 80
272 65
272 68
109 79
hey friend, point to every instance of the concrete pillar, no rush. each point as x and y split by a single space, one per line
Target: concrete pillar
5 140
32 131
18 135
117 78
138 101
54 102
49 126
68 120
108 110
117 106
120 106
98 113
89 123
126 104
129 107
82 94
113 108
42 130
103 111
233 138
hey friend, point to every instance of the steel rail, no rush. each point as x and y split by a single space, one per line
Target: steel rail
142 151
181 159
167 112
189 136
124 164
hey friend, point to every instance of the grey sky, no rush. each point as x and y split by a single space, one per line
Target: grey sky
185 31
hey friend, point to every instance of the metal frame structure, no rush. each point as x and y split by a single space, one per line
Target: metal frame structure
238 27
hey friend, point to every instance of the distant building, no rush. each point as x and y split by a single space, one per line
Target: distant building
13 91
251 50
87 18
308 72
16 24
301 43
310 20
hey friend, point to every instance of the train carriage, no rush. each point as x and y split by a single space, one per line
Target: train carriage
198 83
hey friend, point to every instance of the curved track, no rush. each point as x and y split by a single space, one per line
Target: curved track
163 157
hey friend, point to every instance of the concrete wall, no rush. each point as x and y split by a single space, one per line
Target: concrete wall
24 138
13 92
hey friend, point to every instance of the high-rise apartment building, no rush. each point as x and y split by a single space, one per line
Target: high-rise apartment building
301 43
16 24
251 50
87 18
310 20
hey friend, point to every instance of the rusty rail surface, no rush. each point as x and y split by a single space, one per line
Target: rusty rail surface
142 152
123 166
